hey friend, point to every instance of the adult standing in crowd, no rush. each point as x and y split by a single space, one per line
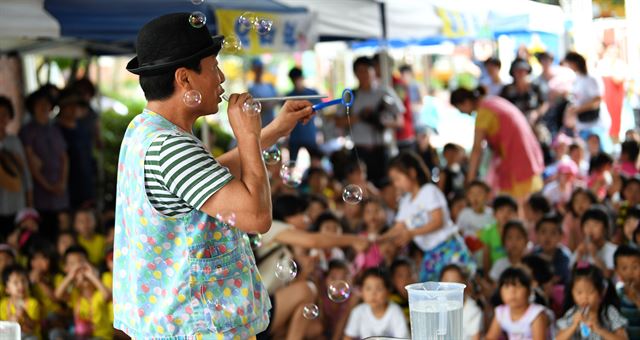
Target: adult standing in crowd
524 94
303 135
46 152
587 113
518 162
261 89
374 109
206 284
15 180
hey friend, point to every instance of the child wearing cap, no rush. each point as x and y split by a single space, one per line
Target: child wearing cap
559 191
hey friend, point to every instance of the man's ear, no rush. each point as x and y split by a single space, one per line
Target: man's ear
182 78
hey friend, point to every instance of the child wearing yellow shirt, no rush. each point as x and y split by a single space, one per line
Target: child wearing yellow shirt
7 258
19 306
41 275
84 224
86 295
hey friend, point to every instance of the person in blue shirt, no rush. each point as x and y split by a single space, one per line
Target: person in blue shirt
303 135
259 90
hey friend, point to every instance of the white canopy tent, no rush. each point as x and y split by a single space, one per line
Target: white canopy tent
24 21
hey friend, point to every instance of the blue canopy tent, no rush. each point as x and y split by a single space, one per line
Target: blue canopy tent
111 26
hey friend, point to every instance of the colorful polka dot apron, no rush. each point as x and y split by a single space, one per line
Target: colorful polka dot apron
187 277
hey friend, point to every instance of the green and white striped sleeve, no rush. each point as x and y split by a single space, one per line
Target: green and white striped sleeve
187 170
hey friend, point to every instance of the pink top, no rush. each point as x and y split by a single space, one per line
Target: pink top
369 259
628 168
512 140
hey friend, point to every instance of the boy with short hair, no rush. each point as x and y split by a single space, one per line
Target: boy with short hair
550 247
478 214
627 266
505 208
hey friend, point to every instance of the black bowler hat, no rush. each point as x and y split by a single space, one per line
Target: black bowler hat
168 42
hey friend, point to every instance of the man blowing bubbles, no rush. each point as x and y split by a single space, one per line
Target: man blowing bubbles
179 273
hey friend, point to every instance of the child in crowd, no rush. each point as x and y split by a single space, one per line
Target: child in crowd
389 196
628 161
317 205
356 173
548 237
630 224
559 191
505 208
535 208
591 308
477 215
19 306
596 249
7 258
581 200
403 273
452 175
514 239
600 177
471 312
334 315
456 203
65 240
42 270
329 224
374 225
576 153
541 282
84 224
627 262
423 216
516 316
376 316
630 193
83 291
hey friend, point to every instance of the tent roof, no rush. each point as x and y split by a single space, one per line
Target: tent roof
24 21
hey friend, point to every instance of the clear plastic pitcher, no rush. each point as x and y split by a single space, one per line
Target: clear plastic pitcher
436 310
9 330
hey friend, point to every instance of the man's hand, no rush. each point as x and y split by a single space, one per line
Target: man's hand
292 112
242 123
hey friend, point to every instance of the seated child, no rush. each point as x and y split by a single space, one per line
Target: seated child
374 225
42 266
514 239
548 237
505 208
627 263
329 224
596 249
19 306
83 291
403 273
590 308
376 316
84 224
516 316
477 215
471 312
334 315
7 258
629 224
534 210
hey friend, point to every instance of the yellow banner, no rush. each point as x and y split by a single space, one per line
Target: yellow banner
289 32
454 23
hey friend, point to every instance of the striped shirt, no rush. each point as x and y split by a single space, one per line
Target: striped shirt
180 175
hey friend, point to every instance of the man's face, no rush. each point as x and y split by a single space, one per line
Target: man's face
364 73
208 84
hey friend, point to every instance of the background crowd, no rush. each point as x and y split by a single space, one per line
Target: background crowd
539 219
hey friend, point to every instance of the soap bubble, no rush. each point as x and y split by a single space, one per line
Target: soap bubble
192 98
197 19
338 291
197 2
352 194
291 174
263 26
255 240
286 269
271 155
231 44
310 311
252 107
228 218
248 20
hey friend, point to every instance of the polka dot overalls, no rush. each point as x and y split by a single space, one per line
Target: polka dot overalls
189 277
